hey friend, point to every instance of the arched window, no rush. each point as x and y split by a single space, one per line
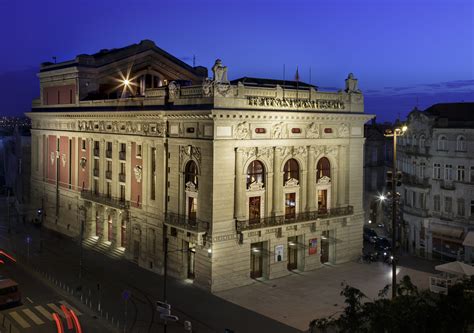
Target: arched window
442 142
255 173
461 143
190 173
291 170
422 141
324 168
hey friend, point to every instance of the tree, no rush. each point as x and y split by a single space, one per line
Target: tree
411 311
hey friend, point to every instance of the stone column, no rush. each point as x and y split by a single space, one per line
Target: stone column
341 181
145 173
311 181
239 194
115 169
277 182
128 172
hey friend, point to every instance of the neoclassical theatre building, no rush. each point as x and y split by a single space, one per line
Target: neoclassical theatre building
248 179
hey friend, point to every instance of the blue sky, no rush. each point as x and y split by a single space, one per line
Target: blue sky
403 52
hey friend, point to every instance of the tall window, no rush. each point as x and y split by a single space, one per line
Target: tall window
153 174
323 168
255 173
472 174
448 172
448 204
461 143
422 141
461 173
436 203
291 170
414 140
437 171
190 173
421 200
461 208
442 142
472 207
422 170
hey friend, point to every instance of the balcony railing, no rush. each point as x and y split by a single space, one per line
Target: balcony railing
122 155
447 185
122 177
413 180
421 212
108 153
104 199
181 221
300 217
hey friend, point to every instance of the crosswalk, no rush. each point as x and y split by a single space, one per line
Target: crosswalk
33 316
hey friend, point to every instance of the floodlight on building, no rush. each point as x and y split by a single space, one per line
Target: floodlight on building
382 197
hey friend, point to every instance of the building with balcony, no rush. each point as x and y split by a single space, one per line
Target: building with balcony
248 179
436 156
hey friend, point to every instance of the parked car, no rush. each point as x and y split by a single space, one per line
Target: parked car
383 244
370 235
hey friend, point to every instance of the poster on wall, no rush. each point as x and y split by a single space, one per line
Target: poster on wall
279 253
313 246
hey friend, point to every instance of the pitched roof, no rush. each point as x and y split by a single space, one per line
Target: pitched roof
272 83
106 56
452 115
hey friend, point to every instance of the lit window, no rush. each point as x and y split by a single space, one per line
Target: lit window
323 168
255 173
191 173
291 170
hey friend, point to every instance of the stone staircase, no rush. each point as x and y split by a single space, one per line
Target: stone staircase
103 247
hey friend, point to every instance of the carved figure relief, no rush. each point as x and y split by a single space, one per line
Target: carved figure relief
190 152
82 163
115 126
343 130
51 156
220 72
173 89
63 160
242 131
207 87
313 131
329 150
137 170
256 186
324 180
190 187
101 126
277 130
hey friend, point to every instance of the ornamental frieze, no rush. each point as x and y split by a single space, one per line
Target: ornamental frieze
242 131
190 152
313 131
153 129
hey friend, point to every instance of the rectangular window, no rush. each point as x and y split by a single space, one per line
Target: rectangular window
83 142
421 200
413 199
436 203
461 208
472 207
109 189
122 192
448 204
192 208
448 172
290 205
422 170
254 209
461 173
96 186
437 171
472 175
139 150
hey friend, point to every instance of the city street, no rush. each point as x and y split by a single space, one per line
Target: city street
105 280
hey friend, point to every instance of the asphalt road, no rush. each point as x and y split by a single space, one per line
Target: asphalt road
40 300
59 258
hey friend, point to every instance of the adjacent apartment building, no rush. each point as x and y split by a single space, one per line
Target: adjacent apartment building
247 179
436 156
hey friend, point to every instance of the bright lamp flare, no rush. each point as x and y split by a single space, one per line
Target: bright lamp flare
404 128
382 197
126 82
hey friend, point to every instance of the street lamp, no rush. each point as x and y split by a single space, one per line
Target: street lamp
397 131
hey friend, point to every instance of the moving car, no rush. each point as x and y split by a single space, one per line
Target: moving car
383 244
370 235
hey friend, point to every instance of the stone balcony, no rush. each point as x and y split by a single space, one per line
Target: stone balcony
283 220
105 200
184 223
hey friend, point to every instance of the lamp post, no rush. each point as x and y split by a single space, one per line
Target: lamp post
397 131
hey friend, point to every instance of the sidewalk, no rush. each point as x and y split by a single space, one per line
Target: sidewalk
207 313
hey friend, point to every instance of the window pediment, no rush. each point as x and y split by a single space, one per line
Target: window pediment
190 187
292 182
324 180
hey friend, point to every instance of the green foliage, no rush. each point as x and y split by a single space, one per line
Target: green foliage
411 311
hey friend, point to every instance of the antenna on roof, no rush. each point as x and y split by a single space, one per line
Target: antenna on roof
194 60
54 58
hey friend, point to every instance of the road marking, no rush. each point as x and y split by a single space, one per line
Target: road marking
71 307
44 312
33 317
56 309
19 319
29 300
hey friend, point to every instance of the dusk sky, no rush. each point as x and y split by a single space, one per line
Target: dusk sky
403 52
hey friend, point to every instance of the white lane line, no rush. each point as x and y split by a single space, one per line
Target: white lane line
19 319
43 311
33 317
76 311
29 300
56 309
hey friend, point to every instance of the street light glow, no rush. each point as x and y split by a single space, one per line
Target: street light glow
404 128
382 197
126 82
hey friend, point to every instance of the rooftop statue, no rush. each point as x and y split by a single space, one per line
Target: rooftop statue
351 84
220 72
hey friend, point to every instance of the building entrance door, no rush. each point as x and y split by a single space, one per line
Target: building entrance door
325 247
292 254
191 258
123 234
322 200
109 229
256 261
